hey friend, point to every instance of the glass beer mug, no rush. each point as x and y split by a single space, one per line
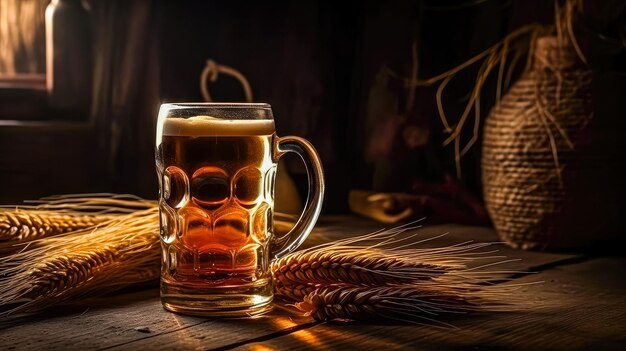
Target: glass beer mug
216 165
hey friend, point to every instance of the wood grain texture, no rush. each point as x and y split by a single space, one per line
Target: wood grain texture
138 322
583 308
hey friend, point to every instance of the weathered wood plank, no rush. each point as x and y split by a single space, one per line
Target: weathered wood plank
583 308
140 321
137 320
333 229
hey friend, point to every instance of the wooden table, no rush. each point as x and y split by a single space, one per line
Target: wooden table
584 299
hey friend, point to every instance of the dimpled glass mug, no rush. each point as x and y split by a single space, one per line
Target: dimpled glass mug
216 164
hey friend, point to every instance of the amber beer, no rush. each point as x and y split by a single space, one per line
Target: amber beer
216 202
216 165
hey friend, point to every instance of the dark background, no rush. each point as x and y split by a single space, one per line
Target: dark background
315 62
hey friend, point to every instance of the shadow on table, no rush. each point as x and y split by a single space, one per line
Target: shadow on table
81 306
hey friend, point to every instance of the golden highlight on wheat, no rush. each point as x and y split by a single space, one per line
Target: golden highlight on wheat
94 203
294 292
19 226
61 214
388 257
413 304
385 274
64 247
353 266
85 262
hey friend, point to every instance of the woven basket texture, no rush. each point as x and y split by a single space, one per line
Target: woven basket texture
535 164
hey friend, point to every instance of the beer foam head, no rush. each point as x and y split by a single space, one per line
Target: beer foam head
211 126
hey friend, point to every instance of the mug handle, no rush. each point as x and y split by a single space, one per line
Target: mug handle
313 205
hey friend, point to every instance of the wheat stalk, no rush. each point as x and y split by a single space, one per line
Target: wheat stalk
414 304
124 252
363 303
495 59
381 259
381 274
56 215
94 203
293 292
18 226
79 245
358 267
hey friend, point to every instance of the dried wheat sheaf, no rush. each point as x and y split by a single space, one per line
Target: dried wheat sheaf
386 274
121 249
62 214
404 303
389 275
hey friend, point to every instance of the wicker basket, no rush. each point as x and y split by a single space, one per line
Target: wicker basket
534 162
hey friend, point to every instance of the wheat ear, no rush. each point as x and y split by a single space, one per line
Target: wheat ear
93 203
414 304
384 276
293 292
354 266
18 226
124 252
388 257
61 214
404 303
